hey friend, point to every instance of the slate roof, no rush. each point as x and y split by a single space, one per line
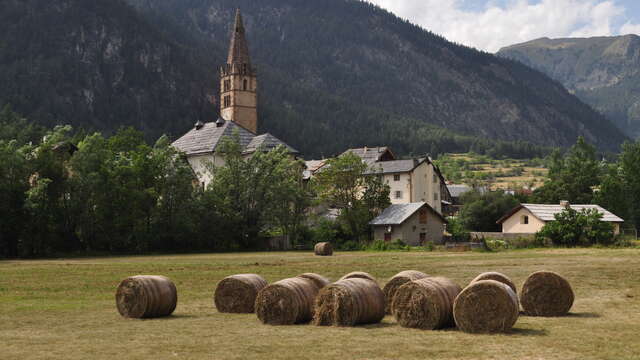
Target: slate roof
206 139
399 213
311 166
395 166
370 154
266 142
546 212
457 190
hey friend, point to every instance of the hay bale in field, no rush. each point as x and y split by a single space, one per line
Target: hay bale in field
237 293
426 303
288 301
492 275
546 293
349 302
395 282
146 296
359 275
319 280
323 249
486 306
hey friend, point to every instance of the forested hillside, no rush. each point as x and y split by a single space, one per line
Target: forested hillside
602 71
332 74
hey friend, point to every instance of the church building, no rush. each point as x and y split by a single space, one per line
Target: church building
238 113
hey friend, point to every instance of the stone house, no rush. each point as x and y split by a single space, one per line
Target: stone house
238 114
415 224
410 181
531 218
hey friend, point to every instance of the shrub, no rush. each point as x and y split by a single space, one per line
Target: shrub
573 228
381 245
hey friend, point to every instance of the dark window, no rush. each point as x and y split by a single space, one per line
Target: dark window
227 101
398 194
244 68
423 216
525 219
387 237
396 177
227 85
244 84
423 238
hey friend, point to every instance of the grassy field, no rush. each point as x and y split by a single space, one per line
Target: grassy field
65 309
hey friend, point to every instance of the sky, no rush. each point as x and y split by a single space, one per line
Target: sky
492 24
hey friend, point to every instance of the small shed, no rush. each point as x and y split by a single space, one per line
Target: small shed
414 223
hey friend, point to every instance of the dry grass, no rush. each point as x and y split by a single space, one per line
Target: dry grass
65 309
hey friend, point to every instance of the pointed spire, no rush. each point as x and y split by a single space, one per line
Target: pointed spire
239 50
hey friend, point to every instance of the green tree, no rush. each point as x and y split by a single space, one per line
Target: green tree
251 191
630 166
346 183
578 228
572 177
481 210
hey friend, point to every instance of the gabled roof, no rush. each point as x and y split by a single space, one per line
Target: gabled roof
394 166
399 213
457 190
546 212
206 139
311 166
372 154
266 142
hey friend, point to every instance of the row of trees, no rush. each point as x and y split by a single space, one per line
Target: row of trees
63 193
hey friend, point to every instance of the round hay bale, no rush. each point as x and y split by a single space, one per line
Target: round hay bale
146 296
546 293
426 303
319 280
349 302
286 302
323 249
359 275
499 277
237 293
486 306
395 282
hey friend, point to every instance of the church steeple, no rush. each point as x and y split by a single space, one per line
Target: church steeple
238 81
239 50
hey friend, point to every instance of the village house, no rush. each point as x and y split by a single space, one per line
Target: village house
530 218
238 114
410 181
415 224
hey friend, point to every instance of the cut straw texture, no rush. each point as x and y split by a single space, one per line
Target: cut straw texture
323 249
492 275
237 293
349 302
146 296
395 282
486 306
546 293
319 280
359 275
289 301
426 303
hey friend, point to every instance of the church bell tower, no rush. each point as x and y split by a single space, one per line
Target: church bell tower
238 82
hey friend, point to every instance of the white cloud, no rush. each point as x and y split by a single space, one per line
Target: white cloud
513 22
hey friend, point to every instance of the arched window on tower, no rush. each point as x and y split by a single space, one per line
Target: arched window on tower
244 84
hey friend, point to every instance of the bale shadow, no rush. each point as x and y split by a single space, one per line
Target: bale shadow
175 317
381 325
584 315
527 332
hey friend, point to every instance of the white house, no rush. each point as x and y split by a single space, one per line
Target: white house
530 218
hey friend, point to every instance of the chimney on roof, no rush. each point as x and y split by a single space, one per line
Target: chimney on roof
565 204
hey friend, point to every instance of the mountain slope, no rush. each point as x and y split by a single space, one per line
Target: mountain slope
97 65
602 71
332 74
